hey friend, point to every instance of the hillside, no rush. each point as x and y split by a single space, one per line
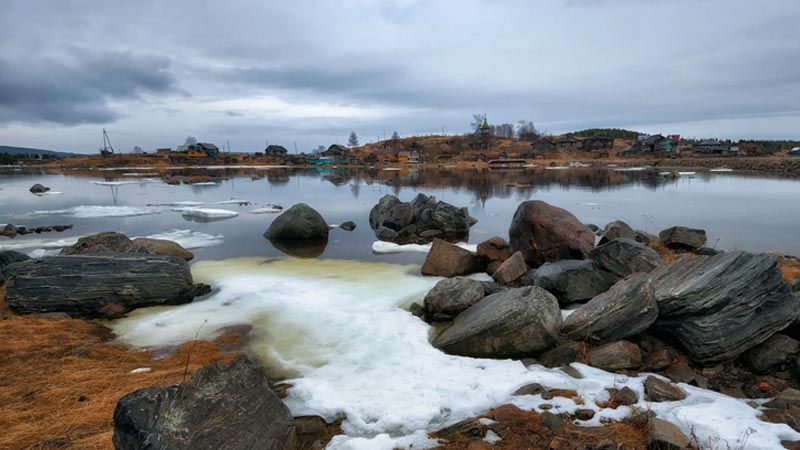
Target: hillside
9 150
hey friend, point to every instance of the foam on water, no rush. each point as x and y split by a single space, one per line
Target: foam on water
93 211
337 329
189 239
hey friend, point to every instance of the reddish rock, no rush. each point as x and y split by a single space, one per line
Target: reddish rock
624 397
494 249
660 359
448 260
511 269
615 356
681 373
493 266
666 436
543 232
658 390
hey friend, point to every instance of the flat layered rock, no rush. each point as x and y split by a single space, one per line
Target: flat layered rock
627 309
543 233
224 407
615 356
91 286
772 354
719 306
573 280
8 257
623 257
509 323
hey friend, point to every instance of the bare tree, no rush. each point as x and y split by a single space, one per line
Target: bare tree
190 141
526 131
352 140
477 121
395 136
504 130
137 149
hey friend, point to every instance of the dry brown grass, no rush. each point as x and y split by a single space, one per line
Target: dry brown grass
668 256
60 380
524 430
790 268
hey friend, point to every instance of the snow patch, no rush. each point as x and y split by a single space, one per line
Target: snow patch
267 209
208 213
383 247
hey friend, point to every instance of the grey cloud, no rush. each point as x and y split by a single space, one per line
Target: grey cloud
77 87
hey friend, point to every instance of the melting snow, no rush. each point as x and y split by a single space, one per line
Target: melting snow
207 213
384 247
337 330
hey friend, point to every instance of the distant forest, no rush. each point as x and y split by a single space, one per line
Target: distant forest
616 133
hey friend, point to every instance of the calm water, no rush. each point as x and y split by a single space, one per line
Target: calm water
738 212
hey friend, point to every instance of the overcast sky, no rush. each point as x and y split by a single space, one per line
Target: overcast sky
153 72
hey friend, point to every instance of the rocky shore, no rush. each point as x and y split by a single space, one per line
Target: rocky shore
666 312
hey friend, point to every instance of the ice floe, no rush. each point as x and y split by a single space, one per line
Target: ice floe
121 183
93 211
207 213
234 201
337 330
383 247
189 239
267 209
38 247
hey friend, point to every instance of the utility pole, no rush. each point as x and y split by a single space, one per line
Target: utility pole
229 146
295 147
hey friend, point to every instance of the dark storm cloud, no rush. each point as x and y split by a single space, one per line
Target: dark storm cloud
77 87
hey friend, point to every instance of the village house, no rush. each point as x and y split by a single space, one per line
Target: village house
651 144
543 145
567 143
715 146
408 157
336 151
276 151
202 150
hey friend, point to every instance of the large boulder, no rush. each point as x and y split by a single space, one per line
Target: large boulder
617 229
420 219
8 257
223 407
510 323
573 280
543 232
683 238
296 223
105 242
163 247
719 306
623 257
448 260
93 286
452 295
627 309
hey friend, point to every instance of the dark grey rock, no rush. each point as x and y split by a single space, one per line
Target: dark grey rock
8 257
493 287
297 223
565 353
643 237
453 295
224 407
707 251
543 233
382 210
348 226
39 189
617 229
386 234
627 309
719 306
88 285
623 257
683 238
796 285
573 280
510 323
771 355
530 389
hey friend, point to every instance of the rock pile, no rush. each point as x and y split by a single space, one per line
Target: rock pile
419 220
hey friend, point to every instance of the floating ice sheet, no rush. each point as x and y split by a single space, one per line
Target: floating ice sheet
384 247
93 211
189 239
